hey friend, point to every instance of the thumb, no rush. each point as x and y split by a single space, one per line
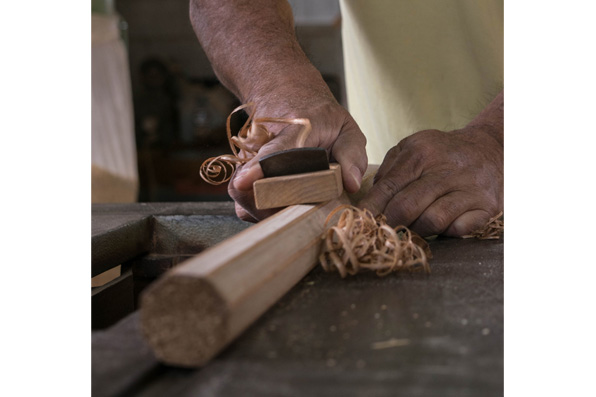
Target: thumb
349 150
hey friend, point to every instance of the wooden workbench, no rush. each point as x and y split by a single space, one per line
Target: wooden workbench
410 334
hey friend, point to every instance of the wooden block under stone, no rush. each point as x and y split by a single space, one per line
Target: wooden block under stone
312 187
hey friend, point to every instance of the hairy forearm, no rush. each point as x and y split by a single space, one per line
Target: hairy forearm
491 119
252 47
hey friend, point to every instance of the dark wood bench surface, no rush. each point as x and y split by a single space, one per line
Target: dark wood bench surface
407 334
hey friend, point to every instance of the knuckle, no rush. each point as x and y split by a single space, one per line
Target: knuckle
427 153
393 151
388 187
363 138
408 208
437 223
403 144
350 124
402 212
451 208
423 144
488 201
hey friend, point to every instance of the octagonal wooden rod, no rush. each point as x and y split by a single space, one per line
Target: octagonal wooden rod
199 307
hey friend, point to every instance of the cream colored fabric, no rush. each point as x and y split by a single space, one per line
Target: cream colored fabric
113 150
419 64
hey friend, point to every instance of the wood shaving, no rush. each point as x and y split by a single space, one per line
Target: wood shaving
359 241
492 230
245 145
390 343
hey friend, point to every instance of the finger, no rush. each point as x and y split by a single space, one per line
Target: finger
251 171
411 202
245 205
442 213
349 150
397 156
393 181
467 223
388 163
246 175
243 214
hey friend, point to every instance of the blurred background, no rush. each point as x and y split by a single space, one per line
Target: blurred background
158 111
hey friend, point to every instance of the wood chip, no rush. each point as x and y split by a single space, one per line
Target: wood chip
390 343
359 241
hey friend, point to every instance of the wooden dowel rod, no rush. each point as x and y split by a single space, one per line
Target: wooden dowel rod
203 304
199 307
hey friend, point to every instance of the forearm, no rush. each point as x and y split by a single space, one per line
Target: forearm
491 119
253 49
254 52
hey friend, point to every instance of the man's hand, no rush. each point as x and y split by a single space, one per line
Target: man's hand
332 128
447 183
435 182
254 52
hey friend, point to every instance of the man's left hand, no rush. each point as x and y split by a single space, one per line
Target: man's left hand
436 182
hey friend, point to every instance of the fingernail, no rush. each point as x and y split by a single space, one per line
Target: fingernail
356 176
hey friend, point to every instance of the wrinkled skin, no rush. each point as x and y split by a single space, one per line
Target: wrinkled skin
333 129
433 182
437 182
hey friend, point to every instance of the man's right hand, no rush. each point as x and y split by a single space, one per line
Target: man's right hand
254 52
332 129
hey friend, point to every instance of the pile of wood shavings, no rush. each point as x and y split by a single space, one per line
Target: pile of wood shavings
245 145
493 229
360 242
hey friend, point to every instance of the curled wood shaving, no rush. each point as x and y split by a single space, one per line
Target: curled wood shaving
390 343
218 170
492 230
245 145
359 241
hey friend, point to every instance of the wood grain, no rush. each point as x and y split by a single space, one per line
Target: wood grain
311 187
199 307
